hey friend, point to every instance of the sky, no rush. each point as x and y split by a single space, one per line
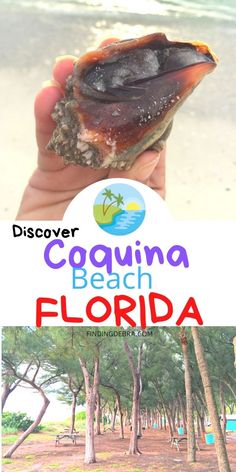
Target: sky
29 401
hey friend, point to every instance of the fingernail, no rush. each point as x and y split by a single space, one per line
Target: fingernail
66 56
153 160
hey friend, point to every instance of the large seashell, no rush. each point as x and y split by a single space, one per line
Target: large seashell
121 99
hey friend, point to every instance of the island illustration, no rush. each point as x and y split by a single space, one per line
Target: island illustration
119 209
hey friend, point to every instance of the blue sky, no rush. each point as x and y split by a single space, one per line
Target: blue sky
129 193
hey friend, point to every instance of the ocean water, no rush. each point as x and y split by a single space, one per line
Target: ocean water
215 9
125 222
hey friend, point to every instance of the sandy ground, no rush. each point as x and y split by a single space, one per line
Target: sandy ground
157 455
201 168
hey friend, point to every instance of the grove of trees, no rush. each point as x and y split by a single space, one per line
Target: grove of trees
169 376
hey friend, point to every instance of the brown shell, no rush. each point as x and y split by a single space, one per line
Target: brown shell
122 98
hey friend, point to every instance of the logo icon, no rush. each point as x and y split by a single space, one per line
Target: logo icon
119 209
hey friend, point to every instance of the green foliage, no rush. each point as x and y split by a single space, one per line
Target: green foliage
80 416
76 469
136 470
52 427
7 461
8 440
17 422
9 430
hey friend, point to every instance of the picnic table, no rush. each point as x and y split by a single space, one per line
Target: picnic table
177 441
73 436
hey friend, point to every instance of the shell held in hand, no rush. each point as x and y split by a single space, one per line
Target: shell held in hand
121 99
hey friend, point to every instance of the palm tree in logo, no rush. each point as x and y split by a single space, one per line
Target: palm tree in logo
119 199
113 199
108 196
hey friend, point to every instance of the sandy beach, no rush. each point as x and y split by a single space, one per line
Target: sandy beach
201 167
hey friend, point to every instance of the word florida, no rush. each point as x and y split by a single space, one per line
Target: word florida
141 311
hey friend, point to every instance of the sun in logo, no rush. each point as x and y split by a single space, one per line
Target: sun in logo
133 206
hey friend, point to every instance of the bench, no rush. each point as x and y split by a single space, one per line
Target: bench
175 441
66 435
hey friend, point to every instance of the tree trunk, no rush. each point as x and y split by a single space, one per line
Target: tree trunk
173 411
234 344
73 409
26 433
200 409
191 449
6 390
183 413
114 418
118 400
146 418
91 390
221 452
223 410
90 457
151 419
133 446
169 423
198 426
164 420
166 414
172 417
148 413
202 420
178 417
139 425
125 422
136 373
75 392
98 415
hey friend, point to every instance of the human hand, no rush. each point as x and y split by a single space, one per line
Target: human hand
53 184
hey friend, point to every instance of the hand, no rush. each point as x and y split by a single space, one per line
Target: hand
53 184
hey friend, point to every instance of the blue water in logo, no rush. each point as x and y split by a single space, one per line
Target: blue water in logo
125 222
119 209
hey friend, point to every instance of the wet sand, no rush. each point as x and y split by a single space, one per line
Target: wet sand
201 167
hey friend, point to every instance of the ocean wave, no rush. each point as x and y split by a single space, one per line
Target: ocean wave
199 9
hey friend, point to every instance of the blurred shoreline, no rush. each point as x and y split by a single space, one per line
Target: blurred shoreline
218 9
201 169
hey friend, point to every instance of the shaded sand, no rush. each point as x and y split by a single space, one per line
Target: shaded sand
201 168
41 455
